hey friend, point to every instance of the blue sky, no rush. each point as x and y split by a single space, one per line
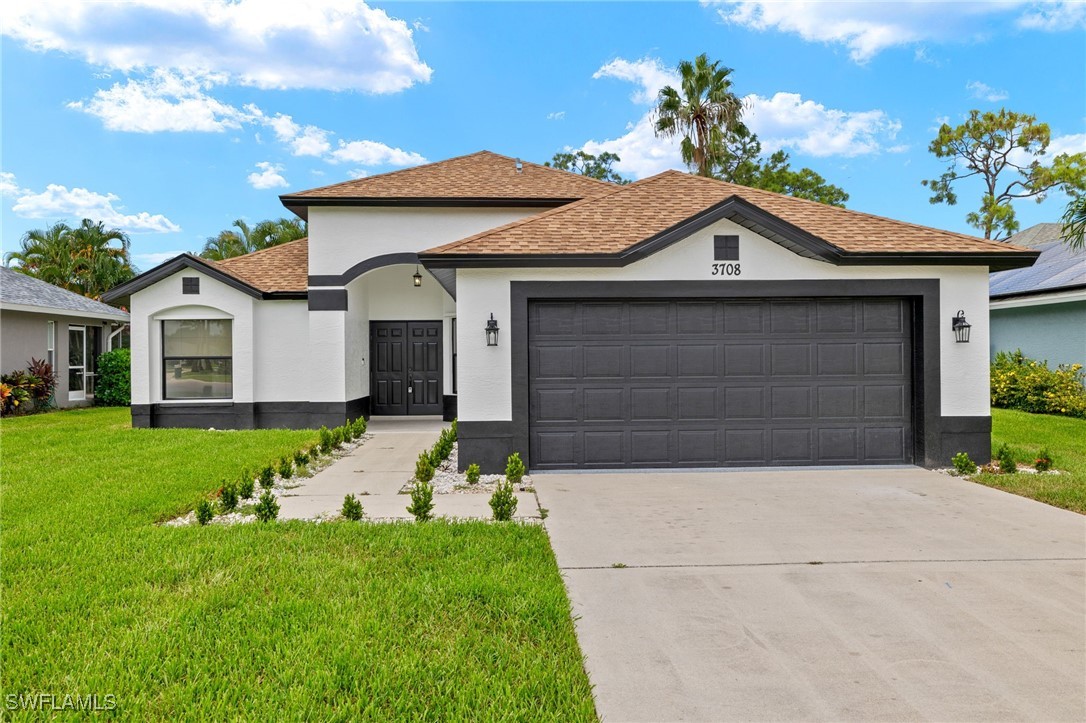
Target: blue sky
172 118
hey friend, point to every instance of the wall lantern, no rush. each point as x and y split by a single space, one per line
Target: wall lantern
491 331
417 277
961 327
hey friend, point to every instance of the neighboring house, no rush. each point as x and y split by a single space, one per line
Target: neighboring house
677 321
1042 309
69 331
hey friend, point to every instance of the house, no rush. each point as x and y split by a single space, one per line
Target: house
1041 309
677 321
42 321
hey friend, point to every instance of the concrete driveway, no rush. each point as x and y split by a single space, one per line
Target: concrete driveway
894 594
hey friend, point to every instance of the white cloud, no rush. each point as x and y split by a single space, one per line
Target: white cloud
269 176
8 186
166 101
785 120
868 28
1071 144
153 259
322 44
58 201
557 115
983 91
302 140
372 153
358 173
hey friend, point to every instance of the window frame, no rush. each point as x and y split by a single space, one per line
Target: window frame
165 359
51 344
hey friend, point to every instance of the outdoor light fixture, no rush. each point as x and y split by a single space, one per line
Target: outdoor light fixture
417 277
491 331
961 327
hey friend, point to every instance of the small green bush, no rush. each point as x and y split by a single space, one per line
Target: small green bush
267 509
453 429
113 387
1019 382
358 427
514 468
245 486
1006 461
204 511
963 463
228 497
422 501
473 474
267 477
286 468
1043 463
327 440
301 458
352 508
424 470
503 502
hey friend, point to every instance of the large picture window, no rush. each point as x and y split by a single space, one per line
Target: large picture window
197 359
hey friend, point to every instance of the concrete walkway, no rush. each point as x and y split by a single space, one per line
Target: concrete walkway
377 469
821 595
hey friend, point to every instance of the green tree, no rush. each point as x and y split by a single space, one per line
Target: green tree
88 259
742 163
1005 151
1074 223
703 111
243 239
586 164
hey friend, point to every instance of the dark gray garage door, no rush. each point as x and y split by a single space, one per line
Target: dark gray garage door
692 383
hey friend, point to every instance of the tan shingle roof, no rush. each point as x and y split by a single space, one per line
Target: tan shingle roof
280 268
625 215
482 175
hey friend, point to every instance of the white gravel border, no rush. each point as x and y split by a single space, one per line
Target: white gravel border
447 481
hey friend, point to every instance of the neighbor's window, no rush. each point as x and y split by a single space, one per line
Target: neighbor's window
197 359
51 343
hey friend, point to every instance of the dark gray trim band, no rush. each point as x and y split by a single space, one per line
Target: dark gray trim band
487 444
358 269
328 300
249 415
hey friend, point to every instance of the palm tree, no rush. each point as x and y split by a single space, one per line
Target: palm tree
88 259
1074 223
703 111
271 232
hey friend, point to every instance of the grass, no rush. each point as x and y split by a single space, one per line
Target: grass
1026 434
331 621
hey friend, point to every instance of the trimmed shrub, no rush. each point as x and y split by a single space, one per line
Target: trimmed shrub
286 468
228 497
503 502
204 511
1028 385
473 474
245 486
514 468
267 477
267 509
357 428
1043 463
424 470
114 385
963 464
301 458
352 508
453 430
327 440
1007 465
422 501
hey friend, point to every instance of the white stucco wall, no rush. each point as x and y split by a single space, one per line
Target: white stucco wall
485 393
281 357
164 300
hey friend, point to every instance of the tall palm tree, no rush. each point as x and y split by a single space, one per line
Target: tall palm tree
45 254
246 239
1074 223
703 111
88 259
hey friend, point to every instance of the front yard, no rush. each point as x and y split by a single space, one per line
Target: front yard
1026 434
332 621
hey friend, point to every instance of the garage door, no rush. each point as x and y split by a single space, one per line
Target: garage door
707 383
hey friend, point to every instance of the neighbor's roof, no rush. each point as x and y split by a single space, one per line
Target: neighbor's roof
1035 235
1057 268
19 291
627 216
482 176
277 269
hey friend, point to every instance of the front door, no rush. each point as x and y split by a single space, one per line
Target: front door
405 359
77 363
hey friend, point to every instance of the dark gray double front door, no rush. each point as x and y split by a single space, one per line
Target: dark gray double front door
405 363
708 383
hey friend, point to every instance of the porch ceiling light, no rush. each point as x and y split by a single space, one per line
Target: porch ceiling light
491 331
961 327
416 278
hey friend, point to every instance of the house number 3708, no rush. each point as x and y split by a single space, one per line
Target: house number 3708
725 269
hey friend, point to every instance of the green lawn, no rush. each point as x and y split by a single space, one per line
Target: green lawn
1026 434
288 621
